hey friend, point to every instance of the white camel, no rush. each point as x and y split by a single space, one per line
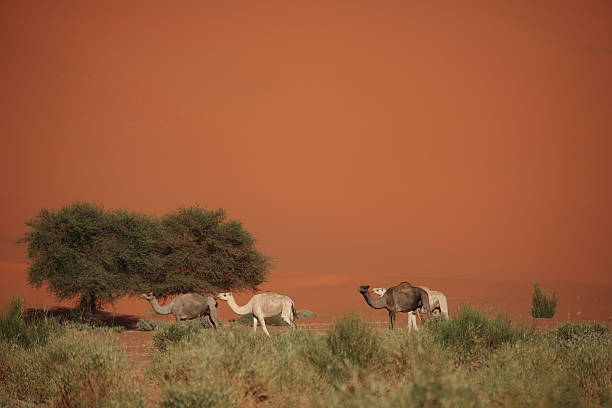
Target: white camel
437 302
263 305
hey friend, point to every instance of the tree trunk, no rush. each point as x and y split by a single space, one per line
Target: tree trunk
89 303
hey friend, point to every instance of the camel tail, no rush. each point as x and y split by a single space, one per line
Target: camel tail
293 313
425 300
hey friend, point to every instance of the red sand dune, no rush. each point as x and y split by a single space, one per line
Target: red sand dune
464 145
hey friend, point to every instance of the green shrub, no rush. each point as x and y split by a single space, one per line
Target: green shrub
237 366
247 319
573 333
542 305
173 334
76 370
471 334
36 331
151 325
197 395
91 328
354 340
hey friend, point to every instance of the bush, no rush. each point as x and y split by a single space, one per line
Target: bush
276 320
197 395
471 335
353 340
151 325
92 328
236 366
172 334
76 370
573 333
543 306
33 332
527 373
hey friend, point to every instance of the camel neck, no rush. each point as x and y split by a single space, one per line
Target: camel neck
246 309
379 303
164 310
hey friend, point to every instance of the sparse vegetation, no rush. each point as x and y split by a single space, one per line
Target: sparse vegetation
247 319
471 360
543 306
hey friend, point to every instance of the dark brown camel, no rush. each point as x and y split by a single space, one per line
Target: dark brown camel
401 298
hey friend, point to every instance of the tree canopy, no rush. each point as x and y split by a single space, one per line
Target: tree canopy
84 251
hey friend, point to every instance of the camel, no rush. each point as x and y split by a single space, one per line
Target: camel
263 305
437 301
401 298
187 306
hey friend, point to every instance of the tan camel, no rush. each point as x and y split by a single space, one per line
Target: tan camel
186 307
263 305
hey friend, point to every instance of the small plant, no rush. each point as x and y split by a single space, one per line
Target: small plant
353 340
542 305
32 332
173 334
472 335
576 333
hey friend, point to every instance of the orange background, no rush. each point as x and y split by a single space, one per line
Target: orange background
463 145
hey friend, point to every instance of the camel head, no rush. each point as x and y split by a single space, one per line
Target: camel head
147 296
379 291
363 289
224 296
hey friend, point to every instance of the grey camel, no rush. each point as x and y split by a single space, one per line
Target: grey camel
400 298
186 307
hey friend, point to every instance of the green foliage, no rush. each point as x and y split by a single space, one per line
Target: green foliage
572 334
151 325
247 319
95 255
83 251
73 371
174 333
196 395
542 305
15 329
351 365
92 328
207 253
471 334
353 340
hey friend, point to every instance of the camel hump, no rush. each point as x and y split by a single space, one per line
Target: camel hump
404 283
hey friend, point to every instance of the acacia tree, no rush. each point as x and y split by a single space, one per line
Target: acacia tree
82 251
206 252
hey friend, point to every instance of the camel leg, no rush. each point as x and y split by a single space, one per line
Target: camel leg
412 323
212 316
262 321
444 306
391 319
288 321
254 324
288 318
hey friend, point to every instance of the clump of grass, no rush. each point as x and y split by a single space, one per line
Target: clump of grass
526 373
33 332
236 367
75 370
247 319
91 328
351 339
574 333
152 325
471 334
172 334
543 306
